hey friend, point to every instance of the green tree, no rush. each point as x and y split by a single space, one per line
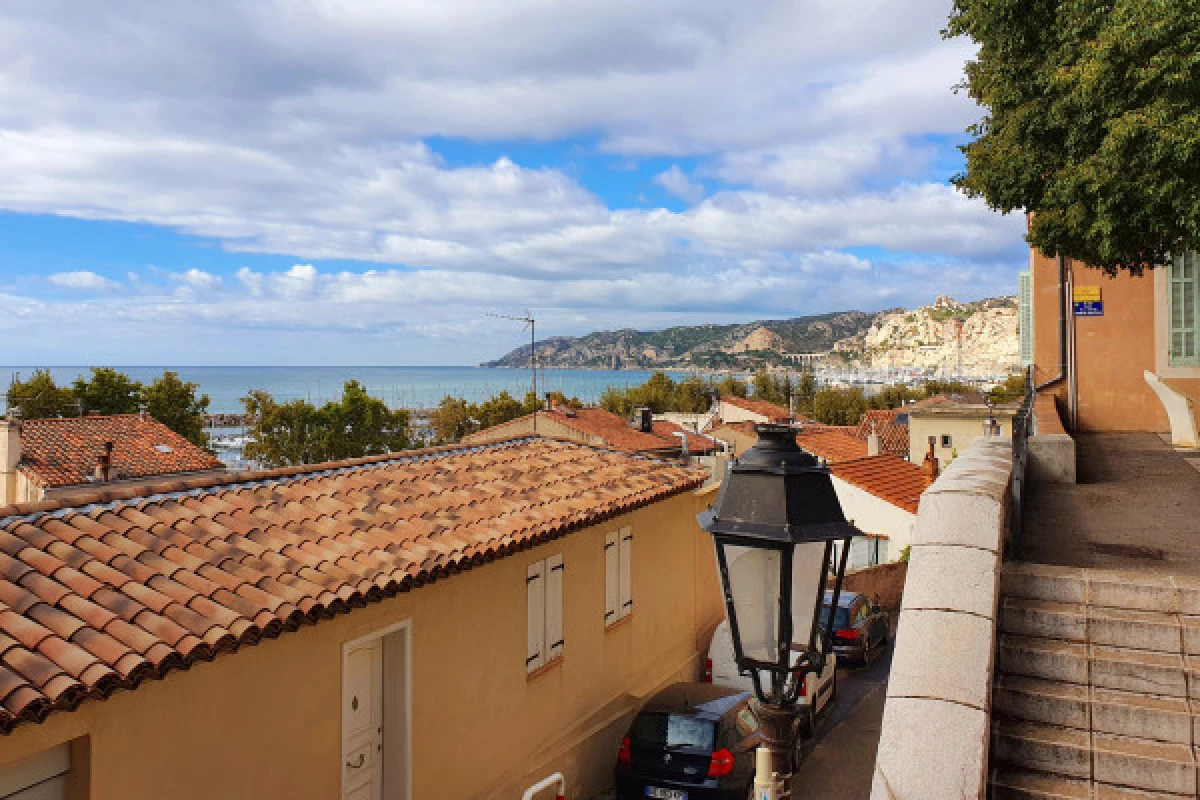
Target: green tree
501 408
894 396
108 392
176 404
1012 390
40 396
730 386
946 387
452 419
839 406
297 432
693 395
1092 121
806 390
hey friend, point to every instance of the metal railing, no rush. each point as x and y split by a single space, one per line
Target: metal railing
1022 428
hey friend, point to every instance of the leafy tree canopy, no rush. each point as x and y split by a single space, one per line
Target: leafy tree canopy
40 396
176 404
1092 122
297 432
108 392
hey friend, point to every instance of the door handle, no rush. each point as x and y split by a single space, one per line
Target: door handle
362 759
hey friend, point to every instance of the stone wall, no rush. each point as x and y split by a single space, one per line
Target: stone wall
884 583
933 743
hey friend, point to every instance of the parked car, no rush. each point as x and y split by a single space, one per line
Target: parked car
815 696
691 741
860 628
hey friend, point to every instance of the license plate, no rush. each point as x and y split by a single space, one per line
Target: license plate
666 794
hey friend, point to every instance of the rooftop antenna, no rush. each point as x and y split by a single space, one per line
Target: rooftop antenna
531 323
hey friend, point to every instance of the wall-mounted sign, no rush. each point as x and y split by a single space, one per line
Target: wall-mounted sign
1086 301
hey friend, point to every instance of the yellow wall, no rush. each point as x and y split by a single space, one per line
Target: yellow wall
962 430
265 722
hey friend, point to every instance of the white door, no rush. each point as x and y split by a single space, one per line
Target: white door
362 722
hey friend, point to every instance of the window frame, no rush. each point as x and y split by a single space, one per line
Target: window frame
1177 286
947 441
618 576
545 625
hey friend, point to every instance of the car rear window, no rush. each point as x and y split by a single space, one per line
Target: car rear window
665 730
840 620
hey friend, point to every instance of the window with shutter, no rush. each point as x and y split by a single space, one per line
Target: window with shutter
1183 313
611 578
625 594
535 588
554 607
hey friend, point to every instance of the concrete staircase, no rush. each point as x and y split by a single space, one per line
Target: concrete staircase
1097 685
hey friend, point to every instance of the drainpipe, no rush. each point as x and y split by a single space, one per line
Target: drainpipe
1062 326
1072 372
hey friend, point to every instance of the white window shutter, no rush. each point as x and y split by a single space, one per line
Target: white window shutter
554 607
611 580
625 585
535 587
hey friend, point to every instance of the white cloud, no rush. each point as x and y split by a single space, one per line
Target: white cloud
675 181
81 279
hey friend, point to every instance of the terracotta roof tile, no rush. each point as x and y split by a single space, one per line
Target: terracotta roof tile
832 444
97 598
772 412
64 451
889 477
615 431
893 435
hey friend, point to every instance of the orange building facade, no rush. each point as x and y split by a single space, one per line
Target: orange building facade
1095 365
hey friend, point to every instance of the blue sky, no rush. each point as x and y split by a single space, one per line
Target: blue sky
294 182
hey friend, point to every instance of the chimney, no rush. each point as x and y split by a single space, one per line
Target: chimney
643 419
10 455
104 466
549 402
930 467
874 442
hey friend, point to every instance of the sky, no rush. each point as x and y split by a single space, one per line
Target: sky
364 182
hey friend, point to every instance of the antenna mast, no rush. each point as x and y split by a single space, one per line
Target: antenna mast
532 323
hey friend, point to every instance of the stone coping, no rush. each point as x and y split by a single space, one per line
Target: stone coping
942 667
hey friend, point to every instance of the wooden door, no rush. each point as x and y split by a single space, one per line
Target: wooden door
362 722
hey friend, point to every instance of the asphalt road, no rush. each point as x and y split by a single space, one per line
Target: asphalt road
840 759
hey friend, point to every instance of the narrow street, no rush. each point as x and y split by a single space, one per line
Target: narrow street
842 756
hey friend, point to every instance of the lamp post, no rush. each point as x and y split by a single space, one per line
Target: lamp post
990 426
775 525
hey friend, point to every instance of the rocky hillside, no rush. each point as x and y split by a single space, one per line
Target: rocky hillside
929 337
924 337
701 346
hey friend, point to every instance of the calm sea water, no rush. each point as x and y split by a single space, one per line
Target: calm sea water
407 387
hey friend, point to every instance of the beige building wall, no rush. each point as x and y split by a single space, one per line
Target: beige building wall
963 426
738 441
871 514
265 722
731 413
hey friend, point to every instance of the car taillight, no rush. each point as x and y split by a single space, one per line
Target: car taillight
623 753
849 633
721 764
707 670
803 678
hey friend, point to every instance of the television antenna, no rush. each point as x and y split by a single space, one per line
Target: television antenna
530 323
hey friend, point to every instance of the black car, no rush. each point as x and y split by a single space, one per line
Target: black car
860 628
691 741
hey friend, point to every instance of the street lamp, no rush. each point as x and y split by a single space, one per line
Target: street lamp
990 426
775 525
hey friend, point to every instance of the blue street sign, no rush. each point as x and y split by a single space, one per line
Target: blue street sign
1089 308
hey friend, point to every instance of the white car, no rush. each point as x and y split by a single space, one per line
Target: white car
720 669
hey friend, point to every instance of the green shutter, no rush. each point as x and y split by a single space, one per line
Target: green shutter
1182 298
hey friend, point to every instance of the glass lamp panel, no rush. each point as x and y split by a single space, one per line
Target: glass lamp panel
754 586
808 588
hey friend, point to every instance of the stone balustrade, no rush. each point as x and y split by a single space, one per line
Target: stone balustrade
933 744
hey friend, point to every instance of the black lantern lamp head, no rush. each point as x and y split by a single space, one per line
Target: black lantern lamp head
775 525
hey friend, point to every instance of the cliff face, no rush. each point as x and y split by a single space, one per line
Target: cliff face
925 337
929 337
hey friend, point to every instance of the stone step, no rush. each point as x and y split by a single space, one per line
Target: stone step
1036 657
1106 791
1043 582
1037 700
1142 671
1139 630
1037 747
1141 764
1142 716
1044 618
1015 784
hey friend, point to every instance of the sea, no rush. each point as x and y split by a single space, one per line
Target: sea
399 387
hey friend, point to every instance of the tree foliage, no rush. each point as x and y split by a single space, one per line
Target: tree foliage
661 393
40 396
108 392
772 389
1092 121
832 406
1011 391
176 404
454 417
297 432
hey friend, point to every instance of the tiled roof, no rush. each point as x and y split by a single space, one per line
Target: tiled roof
888 477
64 452
831 444
104 596
614 431
772 412
892 435
958 398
